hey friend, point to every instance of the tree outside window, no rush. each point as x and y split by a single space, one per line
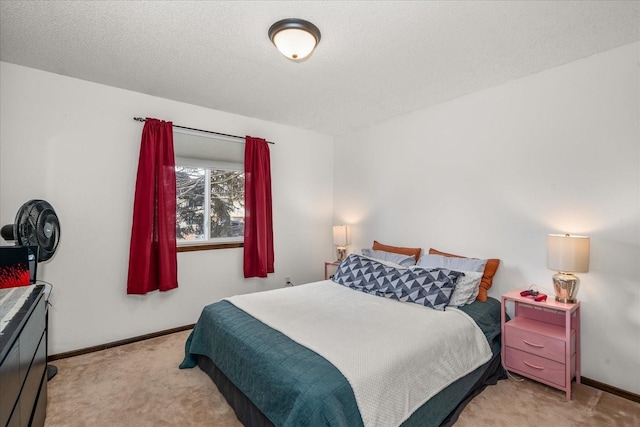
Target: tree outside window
210 205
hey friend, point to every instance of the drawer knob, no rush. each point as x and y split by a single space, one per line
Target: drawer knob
532 344
532 366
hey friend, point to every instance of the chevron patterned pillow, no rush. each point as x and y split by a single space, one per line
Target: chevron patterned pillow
428 287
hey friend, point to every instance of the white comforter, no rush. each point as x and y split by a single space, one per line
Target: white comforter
395 355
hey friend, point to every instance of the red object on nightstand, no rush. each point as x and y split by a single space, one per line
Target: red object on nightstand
542 341
537 296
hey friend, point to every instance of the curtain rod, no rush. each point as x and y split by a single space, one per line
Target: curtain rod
140 119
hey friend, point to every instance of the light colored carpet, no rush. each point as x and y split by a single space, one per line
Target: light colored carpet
528 403
140 385
135 385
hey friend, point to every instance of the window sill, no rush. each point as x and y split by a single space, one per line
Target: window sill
209 246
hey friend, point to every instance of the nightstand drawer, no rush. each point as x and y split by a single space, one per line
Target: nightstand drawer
537 338
535 366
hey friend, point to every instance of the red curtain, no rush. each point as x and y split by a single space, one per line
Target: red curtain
152 254
258 222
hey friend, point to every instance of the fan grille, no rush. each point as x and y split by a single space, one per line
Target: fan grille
37 225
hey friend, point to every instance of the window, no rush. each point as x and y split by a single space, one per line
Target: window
209 191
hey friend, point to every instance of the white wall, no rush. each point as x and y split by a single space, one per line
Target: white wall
492 173
75 144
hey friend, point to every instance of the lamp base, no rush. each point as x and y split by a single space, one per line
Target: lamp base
342 253
566 287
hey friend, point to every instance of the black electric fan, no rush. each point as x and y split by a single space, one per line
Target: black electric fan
36 224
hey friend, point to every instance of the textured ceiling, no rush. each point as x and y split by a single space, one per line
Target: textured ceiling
376 60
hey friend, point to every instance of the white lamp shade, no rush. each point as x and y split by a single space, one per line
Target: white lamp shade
568 253
341 235
295 43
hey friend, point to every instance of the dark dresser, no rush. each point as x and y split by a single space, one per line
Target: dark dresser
23 356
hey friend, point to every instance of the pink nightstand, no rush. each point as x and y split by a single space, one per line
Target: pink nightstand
327 276
542 341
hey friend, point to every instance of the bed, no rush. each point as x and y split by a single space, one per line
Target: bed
353 351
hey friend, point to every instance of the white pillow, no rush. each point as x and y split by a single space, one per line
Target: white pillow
452 263
474 295
466 290
383 262
390 257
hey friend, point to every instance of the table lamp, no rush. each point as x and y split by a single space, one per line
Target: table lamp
341 238
567 254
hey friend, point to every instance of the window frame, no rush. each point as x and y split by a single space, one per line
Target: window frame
208 244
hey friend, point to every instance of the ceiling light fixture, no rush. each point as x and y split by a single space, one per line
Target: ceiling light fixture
295 38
